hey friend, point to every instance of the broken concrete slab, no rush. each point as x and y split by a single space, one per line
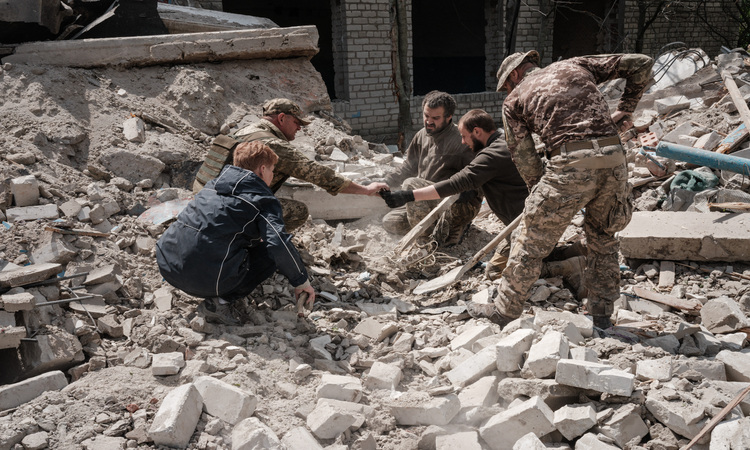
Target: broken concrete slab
327 422
23 301
544 355
251 433
340 387
511 349
383 376
554 394
474 368
29 213
723 315
502 431
736 364
225 401
692 236
683 417
28 274
467 440
419 408
574 420
328 207
16 394
594 376
25 190
175 421
624 425
300 438
56 349
172 49
184 19
10 337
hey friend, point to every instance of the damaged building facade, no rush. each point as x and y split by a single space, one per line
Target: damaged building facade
457 47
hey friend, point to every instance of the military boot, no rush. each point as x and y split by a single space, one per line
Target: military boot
571 270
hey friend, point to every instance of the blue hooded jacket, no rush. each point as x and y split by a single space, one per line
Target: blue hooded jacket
232 227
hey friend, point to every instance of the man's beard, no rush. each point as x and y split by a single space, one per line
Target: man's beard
437 130
476 144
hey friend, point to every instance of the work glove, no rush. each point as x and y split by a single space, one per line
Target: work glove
394 199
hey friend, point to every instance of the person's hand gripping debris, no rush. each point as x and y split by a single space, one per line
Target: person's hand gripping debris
395 199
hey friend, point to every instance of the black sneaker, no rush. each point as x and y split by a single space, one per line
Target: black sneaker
487 311
602 322
216 312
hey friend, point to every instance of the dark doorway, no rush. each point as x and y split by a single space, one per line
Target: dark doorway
291 13
448 38
585 27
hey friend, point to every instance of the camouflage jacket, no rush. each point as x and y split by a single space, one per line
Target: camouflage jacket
562 103
292 163
432 157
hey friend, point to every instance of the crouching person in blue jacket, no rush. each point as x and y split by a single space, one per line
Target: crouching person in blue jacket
231 237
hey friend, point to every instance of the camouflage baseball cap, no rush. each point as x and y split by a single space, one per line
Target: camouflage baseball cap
511 63
286 106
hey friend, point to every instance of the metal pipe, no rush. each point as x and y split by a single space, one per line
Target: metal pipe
67 300
702 157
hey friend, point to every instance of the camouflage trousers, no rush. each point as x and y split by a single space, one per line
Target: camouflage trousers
572 181
499 260
294 213
401 220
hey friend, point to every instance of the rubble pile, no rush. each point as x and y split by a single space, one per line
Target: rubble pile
98 352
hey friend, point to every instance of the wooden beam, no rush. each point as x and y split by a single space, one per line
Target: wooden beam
669 300
423 224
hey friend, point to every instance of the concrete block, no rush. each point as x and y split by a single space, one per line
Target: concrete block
383 376
509 351
71 208
502 431
327 207
624 425
584 354
134 129
529 442
358 408
544 355
163 298
56 350
709 141
692 236
667 342
584 324
29 274
339 387
672 104
589 441
708 369
7 319
594 376
252 434
572 334
25 190
300 439
110 326
736 364
419 408
175 421
733 341
30 213
731 434
327 422
654 369
23 301
225 401
474 368
466 440
101 442
723 315
554 394
16 394
470 336
707 343
167 363
10 337
481 393
375 330
96 306
318 346
685 419
574 420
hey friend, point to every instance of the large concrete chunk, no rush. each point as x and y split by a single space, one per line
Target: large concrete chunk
691 236
471 335
474 368
736 364
55 350
574 420
554 394
510 349
383 376
13 395
23 301
544 355
171 48
594 376
625 425
177 417
480 394
25 190
684 418
10 337
503 430
300 439
32 212
465 440
327 422
229 403
723 315
340 387
419 408
29 274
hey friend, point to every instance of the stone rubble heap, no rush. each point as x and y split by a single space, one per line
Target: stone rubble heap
130 364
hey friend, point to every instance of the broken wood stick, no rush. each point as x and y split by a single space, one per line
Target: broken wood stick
737 98
302 309
718 418
669 300
729 206
423 224
733 140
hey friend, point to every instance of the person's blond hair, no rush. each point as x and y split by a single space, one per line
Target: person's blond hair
252 155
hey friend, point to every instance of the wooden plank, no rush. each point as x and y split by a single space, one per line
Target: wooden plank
737 98
733 140
718 418
666 275
669 300
423 224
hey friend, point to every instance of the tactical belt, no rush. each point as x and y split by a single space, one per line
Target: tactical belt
593 144
220 154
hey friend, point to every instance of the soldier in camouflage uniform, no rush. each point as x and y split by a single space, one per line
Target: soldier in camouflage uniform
282 118
586 168
434 154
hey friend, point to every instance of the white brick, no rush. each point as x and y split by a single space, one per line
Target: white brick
177 417
383 376
544 355
340 387
654 369
595 376
300 439
480 394
474 368
466 440
624 425
574 420
510 350
167 363
471 335
327 422
419 408
252 434
736 364
503 430
16 394
25 190
229 403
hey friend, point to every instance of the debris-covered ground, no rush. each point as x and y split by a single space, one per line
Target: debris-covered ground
373 366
